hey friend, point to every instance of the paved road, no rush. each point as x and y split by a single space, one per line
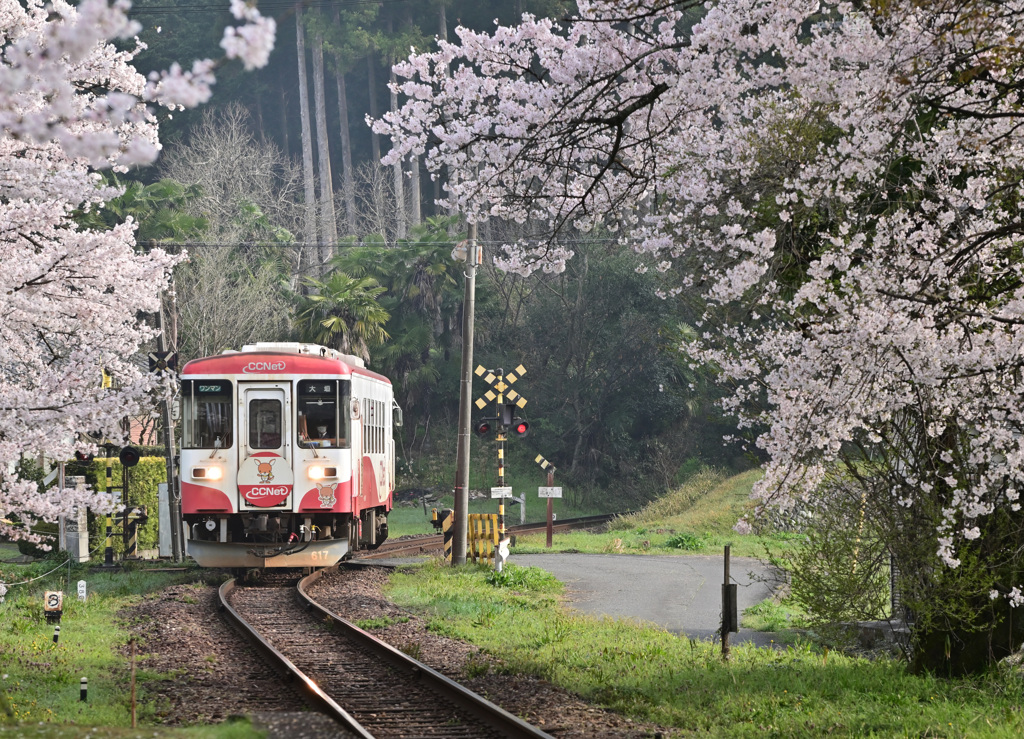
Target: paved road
680 593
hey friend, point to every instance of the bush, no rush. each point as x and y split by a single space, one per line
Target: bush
689 542
520 578
142 491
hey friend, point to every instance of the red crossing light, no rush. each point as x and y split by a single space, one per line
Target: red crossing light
482 428
520 428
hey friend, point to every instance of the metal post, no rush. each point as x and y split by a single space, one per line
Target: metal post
499 556
726 626
108 551
108 556
500 437
551 514
124 510
465 407
173 494
131 643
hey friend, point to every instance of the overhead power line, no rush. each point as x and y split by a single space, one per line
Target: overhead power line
263 7
358 245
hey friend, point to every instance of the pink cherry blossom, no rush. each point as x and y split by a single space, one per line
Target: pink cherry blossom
846 174
70 297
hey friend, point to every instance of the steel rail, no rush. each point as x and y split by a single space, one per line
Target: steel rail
476 705
317 698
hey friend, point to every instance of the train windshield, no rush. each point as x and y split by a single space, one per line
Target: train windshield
206 412
322 421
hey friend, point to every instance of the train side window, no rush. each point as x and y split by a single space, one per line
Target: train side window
207 414
265 423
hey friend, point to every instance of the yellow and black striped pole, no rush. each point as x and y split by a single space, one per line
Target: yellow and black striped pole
500 437
448 532
131 546
108 552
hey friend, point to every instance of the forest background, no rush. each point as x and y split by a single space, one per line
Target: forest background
295 231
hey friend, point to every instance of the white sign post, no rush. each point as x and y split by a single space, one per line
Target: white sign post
549 492
81 590
505 492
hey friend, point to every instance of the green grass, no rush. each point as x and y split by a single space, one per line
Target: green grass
40 680
8 550
697 518
650 674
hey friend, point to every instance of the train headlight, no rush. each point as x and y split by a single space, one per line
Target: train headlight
207 473
316 472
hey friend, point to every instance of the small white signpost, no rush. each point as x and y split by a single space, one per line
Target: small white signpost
549 492
81 590
505 492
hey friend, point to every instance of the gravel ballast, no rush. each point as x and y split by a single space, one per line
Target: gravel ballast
217 675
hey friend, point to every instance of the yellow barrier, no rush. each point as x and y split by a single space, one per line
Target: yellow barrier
483 536
449 534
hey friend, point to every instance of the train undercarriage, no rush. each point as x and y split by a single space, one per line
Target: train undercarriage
282 538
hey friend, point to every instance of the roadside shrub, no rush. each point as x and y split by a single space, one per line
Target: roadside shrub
521 578
687 541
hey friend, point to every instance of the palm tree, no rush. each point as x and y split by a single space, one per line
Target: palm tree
343 313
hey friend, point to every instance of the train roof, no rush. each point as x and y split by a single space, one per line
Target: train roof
280 358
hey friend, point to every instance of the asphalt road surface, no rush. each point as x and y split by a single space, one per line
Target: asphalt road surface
683 594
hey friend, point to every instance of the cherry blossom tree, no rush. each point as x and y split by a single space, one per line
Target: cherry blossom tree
840 184
70 295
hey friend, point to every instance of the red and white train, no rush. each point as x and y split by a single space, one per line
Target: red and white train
287 456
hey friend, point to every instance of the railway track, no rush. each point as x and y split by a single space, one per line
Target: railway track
432 543
368 687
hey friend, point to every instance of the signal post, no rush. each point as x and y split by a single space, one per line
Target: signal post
503 422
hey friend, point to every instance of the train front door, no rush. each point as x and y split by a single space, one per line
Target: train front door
265 479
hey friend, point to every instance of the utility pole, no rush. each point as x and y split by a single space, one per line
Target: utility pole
473 258
173 496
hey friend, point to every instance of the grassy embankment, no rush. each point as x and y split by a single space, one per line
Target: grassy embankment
638 669
800 690
648 673
40 680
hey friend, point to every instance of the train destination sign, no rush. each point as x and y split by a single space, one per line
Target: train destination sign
549 492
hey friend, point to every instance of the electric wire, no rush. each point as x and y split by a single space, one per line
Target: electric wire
268 5
370 245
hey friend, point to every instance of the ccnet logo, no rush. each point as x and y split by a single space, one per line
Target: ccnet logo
263 367
260 491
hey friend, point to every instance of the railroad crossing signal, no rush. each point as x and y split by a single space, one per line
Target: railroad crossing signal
503 385
162 361
508 402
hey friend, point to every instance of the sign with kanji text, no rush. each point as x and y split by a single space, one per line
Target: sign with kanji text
503 492
549 492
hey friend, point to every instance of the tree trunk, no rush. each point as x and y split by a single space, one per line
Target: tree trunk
308 177
400 200
286 142
371 70
328 223
415 213
348 179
